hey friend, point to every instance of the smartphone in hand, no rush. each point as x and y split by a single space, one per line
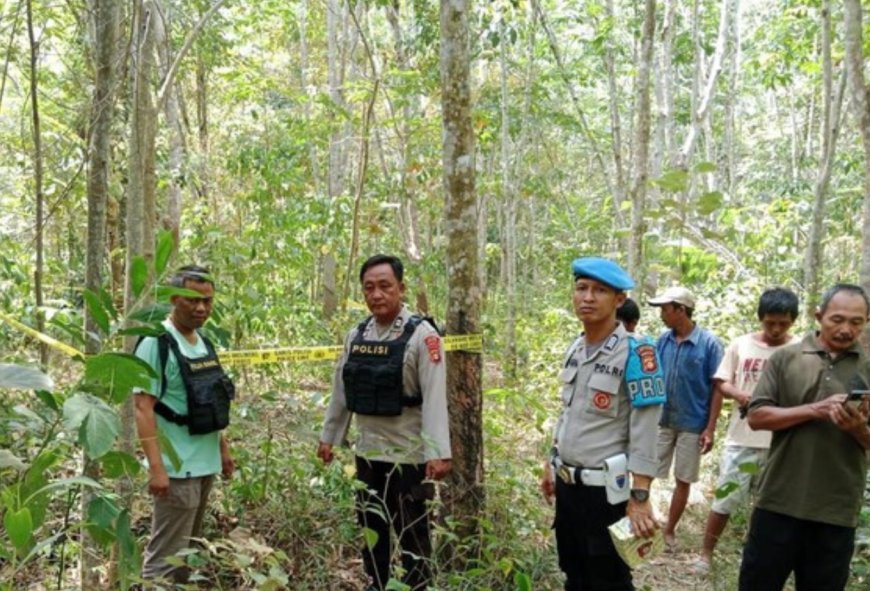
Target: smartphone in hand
856 397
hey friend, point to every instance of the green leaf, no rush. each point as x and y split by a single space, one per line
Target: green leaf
165 246
370 536
153 313
674 181
20 377
96 423
138 274
98 312
705 167
19 526
108 304
117 464
102 512
726 489
48 399
118 374
128 549
709 202
164 292
65 483
749 467
522 581
143 331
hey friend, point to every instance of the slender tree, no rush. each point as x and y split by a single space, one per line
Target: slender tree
464 497
105 14
853 16
36 135
832 101
640 146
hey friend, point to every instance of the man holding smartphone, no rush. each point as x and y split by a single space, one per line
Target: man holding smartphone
811 489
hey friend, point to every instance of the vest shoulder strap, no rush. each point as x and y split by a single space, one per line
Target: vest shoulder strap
163 344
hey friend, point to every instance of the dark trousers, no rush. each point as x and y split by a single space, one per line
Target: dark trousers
818 553
395 495
586 553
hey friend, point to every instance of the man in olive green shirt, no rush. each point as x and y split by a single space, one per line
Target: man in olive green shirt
811 488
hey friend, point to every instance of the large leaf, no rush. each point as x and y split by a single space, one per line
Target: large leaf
165 246
19 527
65 483
153 313
138 275
96 423
117 464
709 202
23 378
164 292
108 304
143 331
118 374
674 181
128 550
98 312
102 512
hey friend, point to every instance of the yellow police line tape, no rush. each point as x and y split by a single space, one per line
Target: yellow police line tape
472 343
53 343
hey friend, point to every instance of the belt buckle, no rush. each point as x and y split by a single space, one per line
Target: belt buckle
565 474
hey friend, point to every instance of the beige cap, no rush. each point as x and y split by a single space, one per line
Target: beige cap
674 295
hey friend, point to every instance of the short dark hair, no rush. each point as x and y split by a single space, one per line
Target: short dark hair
193 273
628 311
381 259
847 287
778 300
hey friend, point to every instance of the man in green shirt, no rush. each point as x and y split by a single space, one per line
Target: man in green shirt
811 488
180 493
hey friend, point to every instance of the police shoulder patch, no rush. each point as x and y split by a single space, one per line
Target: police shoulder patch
433 345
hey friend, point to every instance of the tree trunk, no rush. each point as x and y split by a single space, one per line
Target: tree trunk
106 18
855 67
640 150
464 497
702 99
171 219
831 104
615 122
731 122
203 185
510 213
666 152
36 135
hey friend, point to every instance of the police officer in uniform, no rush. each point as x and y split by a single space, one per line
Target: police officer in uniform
190 374
391 375
604 449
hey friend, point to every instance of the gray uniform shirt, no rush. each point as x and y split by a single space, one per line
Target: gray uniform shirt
421 433
597 419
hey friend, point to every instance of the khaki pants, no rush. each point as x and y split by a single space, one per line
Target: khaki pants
176 519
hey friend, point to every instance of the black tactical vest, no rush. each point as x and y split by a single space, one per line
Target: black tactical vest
372 374
209 389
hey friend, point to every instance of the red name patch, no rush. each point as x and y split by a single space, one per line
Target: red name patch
601 400
433 344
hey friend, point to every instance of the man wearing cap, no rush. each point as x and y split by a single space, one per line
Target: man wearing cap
690 356
604 447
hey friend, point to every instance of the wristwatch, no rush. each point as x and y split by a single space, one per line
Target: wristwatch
641 495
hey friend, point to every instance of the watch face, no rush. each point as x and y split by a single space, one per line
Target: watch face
640 495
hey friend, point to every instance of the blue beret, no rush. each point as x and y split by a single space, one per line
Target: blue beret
603 270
